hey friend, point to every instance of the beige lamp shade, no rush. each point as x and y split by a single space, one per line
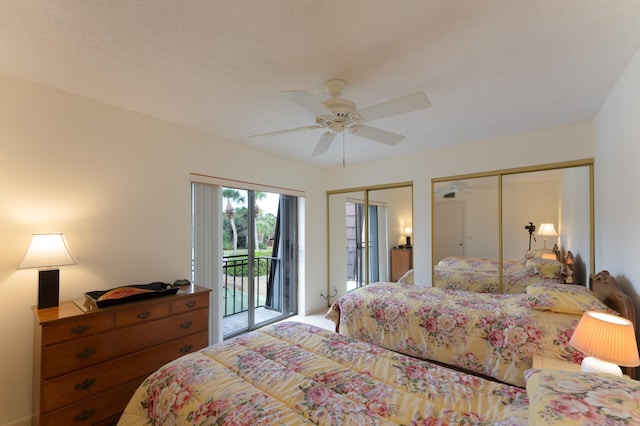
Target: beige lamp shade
46 251
607 337
547 230
408 230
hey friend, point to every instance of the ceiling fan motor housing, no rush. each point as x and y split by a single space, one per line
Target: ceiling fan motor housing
344 115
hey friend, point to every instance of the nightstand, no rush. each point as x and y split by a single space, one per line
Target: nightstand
541 361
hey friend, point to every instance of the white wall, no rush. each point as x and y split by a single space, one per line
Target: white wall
117 184
617 176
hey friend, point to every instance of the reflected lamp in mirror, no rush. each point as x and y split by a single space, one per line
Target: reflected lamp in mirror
547 230
608 340
407 233
47 252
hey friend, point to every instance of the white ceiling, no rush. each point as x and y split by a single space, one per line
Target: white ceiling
489 67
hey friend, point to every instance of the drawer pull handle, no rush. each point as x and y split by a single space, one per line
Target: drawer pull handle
86 354
191 304
84 415
143 315
86 384
185 349
79 329
186 324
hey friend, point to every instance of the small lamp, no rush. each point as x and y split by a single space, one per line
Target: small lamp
608 340
47 251
407 232
547 230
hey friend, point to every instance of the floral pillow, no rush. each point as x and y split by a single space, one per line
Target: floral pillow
559 397
537 253
407 278
546 267
563 298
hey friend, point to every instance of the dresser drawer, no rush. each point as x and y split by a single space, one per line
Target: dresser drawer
186 304
143 313
69 330
93 380
93 410
81 353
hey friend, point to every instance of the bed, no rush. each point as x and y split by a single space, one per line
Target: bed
292 373
494 335
482 274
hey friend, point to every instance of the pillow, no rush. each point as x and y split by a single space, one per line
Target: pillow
563 298
407 278
546 267
558 397
537 253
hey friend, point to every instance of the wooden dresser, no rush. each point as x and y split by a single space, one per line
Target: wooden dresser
401 262
87 364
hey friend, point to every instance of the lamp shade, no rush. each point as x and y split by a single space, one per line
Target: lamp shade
47 250
607 337
547 229
408 230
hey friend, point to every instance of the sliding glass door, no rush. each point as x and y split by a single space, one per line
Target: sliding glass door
258 261
257 240
357 241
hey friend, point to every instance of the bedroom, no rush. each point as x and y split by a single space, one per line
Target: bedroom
113 180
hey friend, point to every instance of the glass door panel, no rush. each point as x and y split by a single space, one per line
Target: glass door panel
259 258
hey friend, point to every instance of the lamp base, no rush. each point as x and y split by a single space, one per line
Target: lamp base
48 288
595 365
408 245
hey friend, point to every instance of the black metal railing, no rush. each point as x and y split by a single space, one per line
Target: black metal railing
235 269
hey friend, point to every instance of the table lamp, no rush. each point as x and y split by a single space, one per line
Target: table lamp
47 251
608 340
547 230
407 232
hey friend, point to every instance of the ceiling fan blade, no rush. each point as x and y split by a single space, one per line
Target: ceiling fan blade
377 135
396 106
281 132
324 143
308 101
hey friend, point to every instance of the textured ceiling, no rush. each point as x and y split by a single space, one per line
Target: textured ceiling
489 67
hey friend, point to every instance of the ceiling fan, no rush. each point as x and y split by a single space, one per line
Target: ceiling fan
452 188
337 115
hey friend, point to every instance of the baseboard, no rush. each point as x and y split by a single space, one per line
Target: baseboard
24 421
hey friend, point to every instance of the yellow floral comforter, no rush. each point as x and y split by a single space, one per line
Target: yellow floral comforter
515 280
491 334
294 374
582 399
482 275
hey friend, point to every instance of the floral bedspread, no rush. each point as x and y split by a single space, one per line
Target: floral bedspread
481 275
587 399
514 280
477 263
491 334
293 374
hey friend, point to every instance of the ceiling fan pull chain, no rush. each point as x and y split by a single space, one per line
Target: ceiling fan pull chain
343 162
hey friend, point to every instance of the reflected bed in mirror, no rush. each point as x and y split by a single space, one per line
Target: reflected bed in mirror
499 215
483 274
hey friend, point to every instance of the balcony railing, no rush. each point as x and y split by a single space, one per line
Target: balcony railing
236 281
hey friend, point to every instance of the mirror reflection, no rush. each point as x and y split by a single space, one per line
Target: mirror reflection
504 232
366 225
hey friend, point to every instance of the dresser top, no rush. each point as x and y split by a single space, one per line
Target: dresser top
72 308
